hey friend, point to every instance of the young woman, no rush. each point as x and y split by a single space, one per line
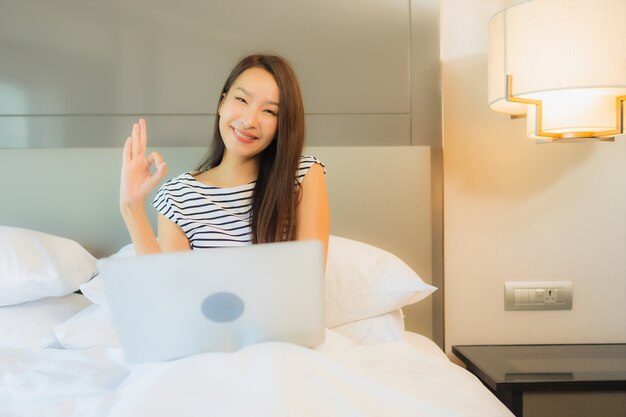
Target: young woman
254 186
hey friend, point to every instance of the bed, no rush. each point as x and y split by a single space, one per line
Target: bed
59 353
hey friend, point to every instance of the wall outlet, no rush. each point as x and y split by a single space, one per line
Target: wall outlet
550 296
538 295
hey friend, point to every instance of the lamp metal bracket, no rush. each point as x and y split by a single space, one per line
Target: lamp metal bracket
607 135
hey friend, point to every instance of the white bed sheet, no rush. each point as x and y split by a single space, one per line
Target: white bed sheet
340 378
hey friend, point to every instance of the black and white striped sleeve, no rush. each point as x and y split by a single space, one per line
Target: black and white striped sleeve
306 162
164 203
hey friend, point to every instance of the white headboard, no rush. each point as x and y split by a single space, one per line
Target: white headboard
378 195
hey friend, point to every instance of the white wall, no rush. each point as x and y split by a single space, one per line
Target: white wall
517 211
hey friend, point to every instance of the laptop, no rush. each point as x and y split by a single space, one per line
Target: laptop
171 305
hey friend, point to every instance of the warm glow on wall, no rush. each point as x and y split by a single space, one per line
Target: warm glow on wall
563 64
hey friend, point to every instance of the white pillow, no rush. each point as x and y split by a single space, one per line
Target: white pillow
388 327
94 289
364 281
91 327
35 265
125 251
29 325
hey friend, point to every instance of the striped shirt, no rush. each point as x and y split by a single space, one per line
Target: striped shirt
213 217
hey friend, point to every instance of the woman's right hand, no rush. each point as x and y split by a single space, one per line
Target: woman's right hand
136 180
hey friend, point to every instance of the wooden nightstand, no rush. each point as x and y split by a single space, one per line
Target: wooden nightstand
510 370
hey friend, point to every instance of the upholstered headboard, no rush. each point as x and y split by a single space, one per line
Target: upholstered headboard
378 195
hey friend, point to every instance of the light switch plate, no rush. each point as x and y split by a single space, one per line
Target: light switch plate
538 295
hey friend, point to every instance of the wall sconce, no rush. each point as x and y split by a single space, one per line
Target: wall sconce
562 63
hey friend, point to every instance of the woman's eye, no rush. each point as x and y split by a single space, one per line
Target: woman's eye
272 112
240 99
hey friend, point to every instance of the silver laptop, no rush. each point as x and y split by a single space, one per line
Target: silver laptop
172 305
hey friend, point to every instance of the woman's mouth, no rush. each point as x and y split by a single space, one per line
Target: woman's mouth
243 137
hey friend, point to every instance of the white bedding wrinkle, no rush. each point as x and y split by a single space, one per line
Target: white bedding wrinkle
340 378
59 383
278 379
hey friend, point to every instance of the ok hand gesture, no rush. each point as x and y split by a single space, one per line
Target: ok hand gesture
137 181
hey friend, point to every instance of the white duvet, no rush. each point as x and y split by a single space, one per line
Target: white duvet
340 378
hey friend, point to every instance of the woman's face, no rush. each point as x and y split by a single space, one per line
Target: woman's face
248 113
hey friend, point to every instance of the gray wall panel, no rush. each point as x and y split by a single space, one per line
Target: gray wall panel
102 131
192 130
160 57
358 130
425 79
426 130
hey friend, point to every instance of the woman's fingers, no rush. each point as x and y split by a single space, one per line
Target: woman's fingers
159 163
136 179
153 179
143 136
127 152
135 143
139 139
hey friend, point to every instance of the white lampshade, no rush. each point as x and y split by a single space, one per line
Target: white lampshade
570 55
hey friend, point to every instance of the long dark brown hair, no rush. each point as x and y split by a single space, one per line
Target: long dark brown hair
276 191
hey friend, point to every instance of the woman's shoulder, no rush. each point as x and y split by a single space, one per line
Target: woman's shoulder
307 161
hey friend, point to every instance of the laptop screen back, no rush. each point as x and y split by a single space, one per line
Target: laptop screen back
172 305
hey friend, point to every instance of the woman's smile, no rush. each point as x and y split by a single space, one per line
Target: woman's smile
243 136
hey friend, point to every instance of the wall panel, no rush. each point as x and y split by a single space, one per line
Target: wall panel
103 60
94 131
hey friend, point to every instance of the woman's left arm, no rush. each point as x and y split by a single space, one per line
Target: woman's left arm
313 213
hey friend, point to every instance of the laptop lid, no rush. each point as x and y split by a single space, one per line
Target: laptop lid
172 305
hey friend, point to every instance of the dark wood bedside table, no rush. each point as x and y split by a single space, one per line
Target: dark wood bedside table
510 370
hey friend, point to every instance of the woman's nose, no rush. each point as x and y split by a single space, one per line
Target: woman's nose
249 118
